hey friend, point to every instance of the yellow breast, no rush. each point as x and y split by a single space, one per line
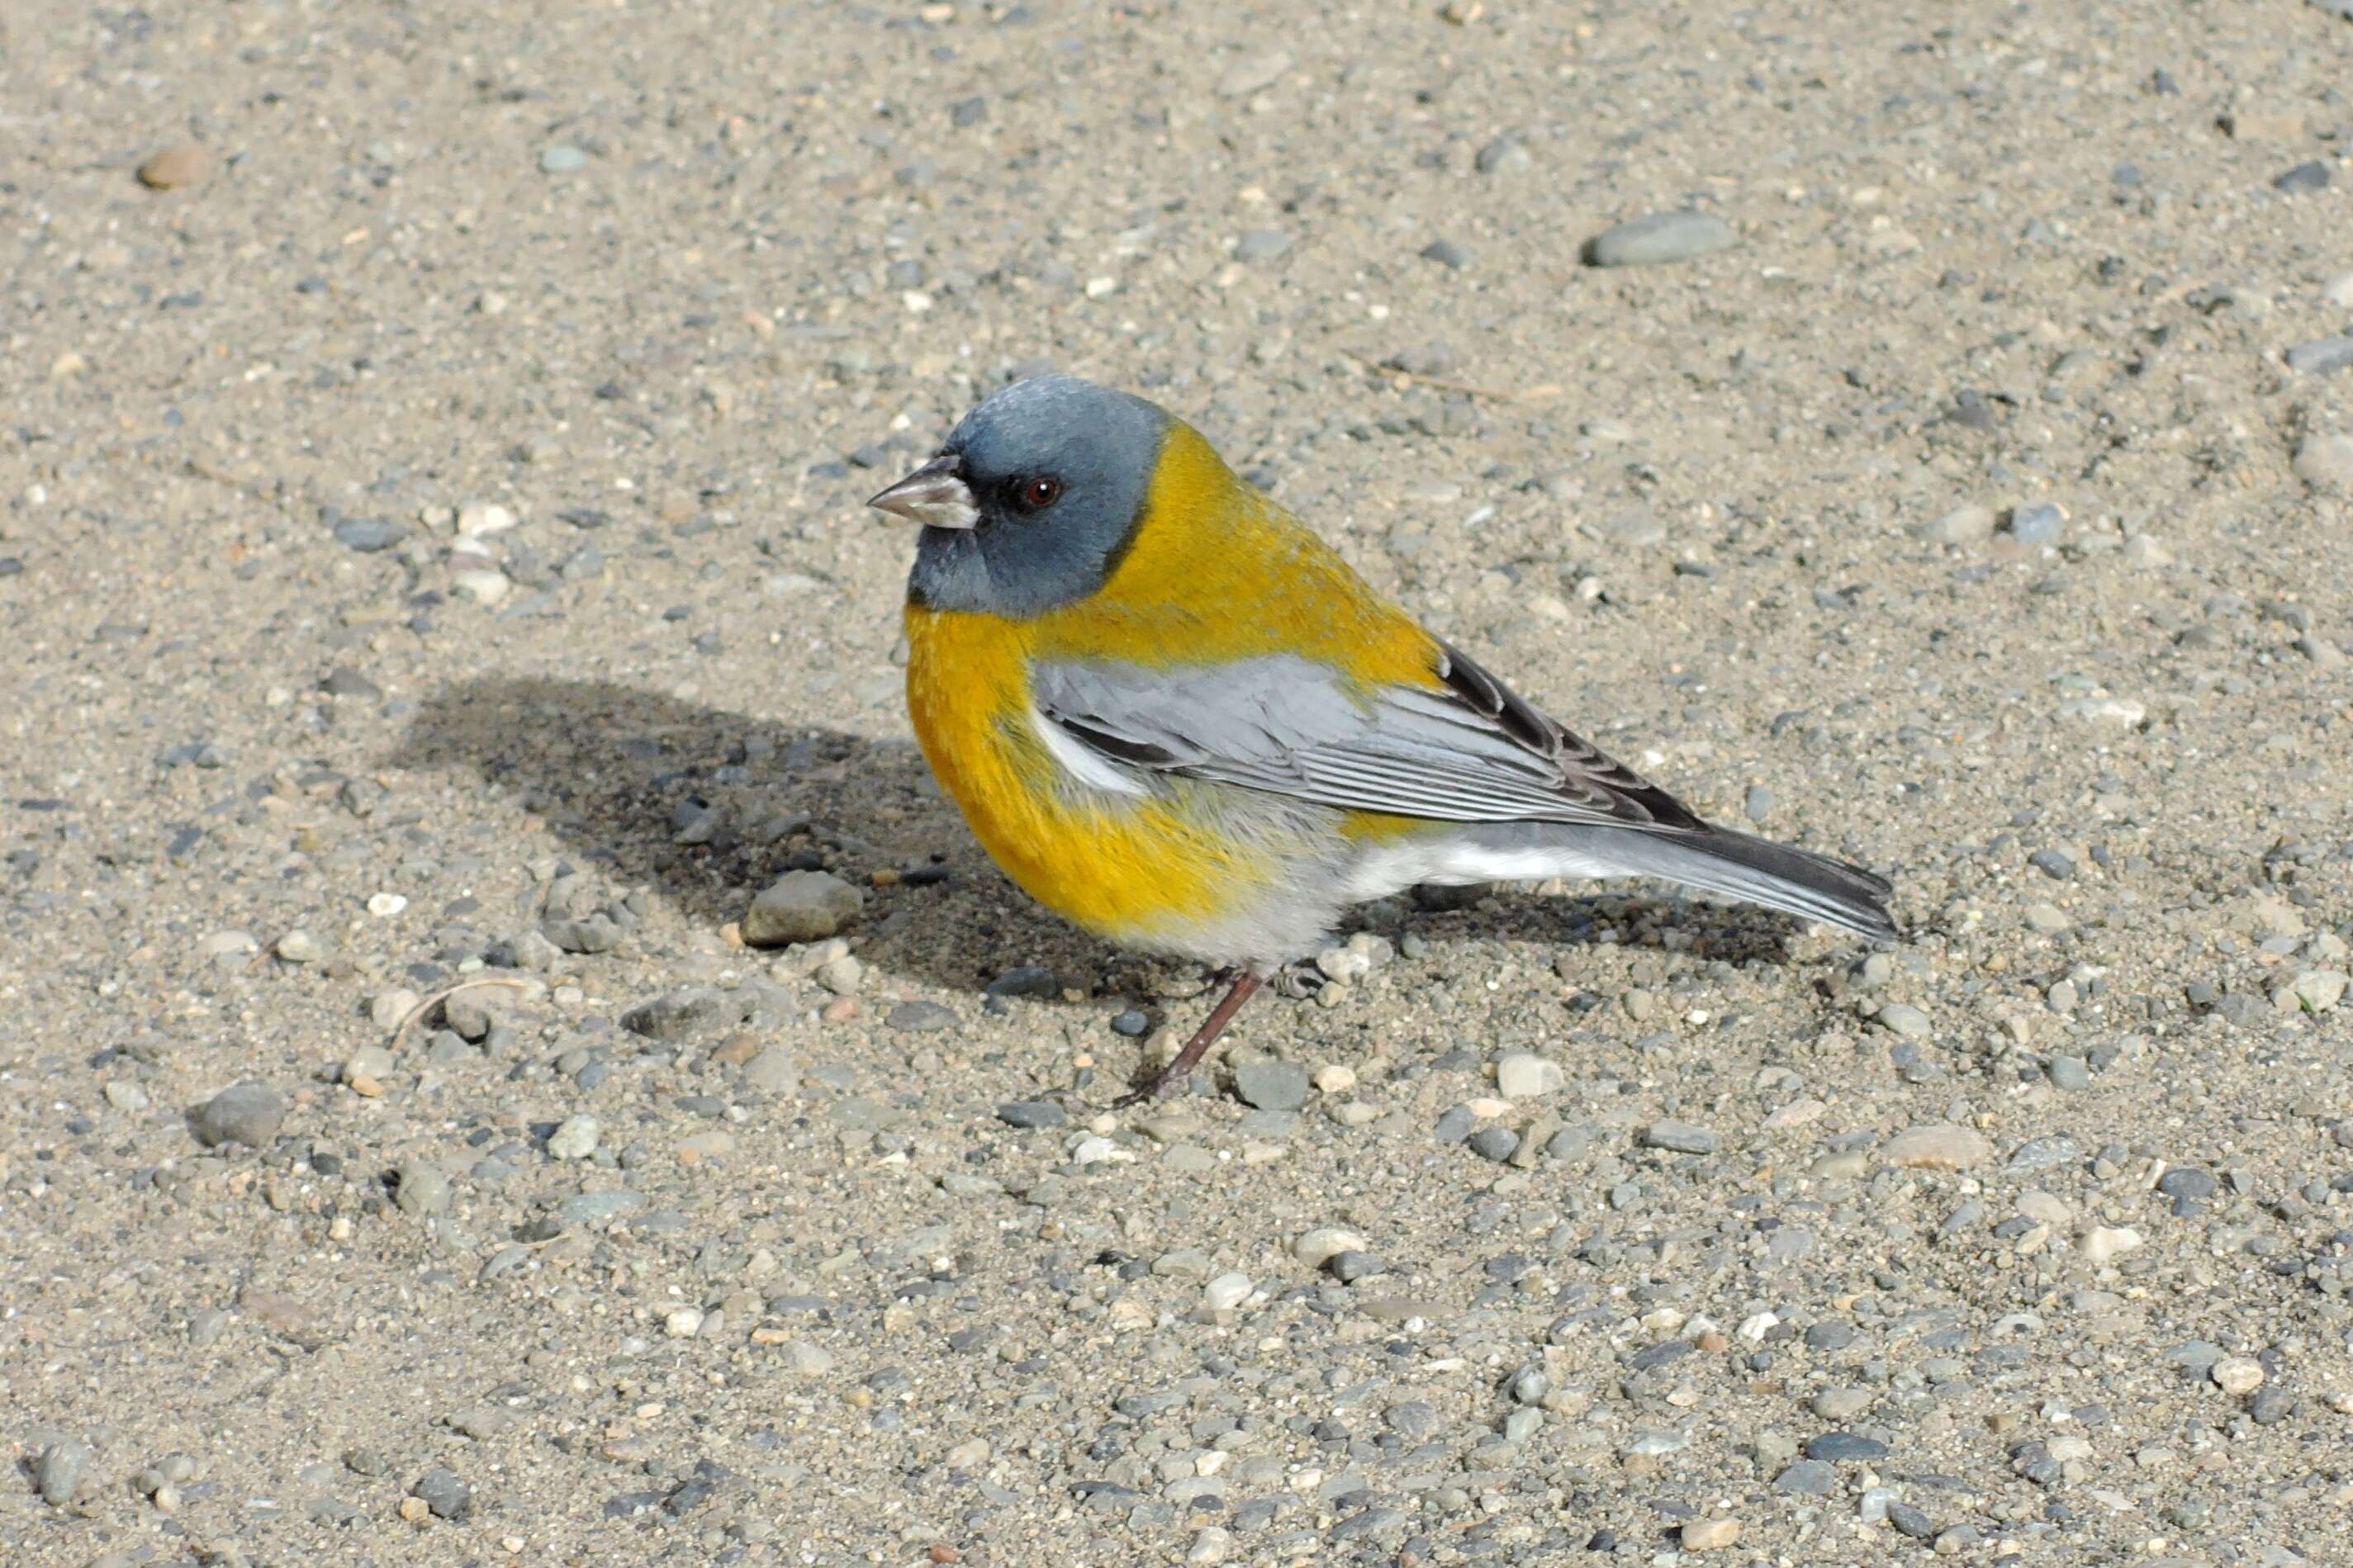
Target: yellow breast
1131 872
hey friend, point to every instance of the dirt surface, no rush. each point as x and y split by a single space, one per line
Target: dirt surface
430 555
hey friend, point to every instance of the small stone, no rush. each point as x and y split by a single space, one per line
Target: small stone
1845 1448
1911 1522
421 1188
921 1018
1504 156
368 535
2073 1074
1709 1534
1271 1085
591 1208
1254 74
301 947
1450 254
482 584
1335 1077
682 1323
1938 1148
2048 919
2237 1375
58 1472
1320 1245
2304 179
1033 1113
2104 1244
562 159
576 1139
1681 1136
1904 1019
2321 356
444 1494
1807 1478
181 164
1496 1143
1523 1075
2041 523
2318 990
1968 524
1660 237
246 1113
801 906
1225 1293
1757 803
1262 244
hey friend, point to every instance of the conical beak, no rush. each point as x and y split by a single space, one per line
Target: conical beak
934 495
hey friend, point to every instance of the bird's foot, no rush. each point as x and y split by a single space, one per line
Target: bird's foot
1299 980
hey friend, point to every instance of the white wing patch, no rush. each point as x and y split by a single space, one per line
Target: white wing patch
1083 761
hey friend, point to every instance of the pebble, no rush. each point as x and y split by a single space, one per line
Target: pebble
2104 1244
1450 254
1225 1293
301 947
1318 1247
2237 1375
1845 1448
1496 1143
246 1113
181 164
2047 918
2304 179
1254 74
1660 237
562 159
420 1188
1807 1478
1504 156
1262 244
1523 1075
2041 1154
576 1139
921 1018
1272 1084
1757 803
1966 524
1709 1534
589 1208
444 1494
2041 523
1941 1147
58 1472
801 906
1911 1521
1904 1019
2321 356
1033 1113
368 535
1681 1136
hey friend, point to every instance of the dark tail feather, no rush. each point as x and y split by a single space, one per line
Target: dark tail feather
1758 871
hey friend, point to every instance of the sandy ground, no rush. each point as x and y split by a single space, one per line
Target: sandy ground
430 553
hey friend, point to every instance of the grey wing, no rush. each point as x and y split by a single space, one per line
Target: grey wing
1468 749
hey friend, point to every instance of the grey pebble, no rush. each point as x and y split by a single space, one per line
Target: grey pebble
1349 1266
801 906
1911 1521
1447 253
2072 1073
421 1188
1660 237
445 1493
1681 1136
1454 1123
2187 1181
1028 980
562 159
1271 1085
1807 1478
1131 1024
246 1113
2041 523
1758 805
1497 1143
2321 356
1262 244
1844 1448
2041 1154
1033 1113
921 1018
59 1470
368 534
1504 156
2304 179
588 1209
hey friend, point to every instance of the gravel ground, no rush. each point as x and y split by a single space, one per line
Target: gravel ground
438 606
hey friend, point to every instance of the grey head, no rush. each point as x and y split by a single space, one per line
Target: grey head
1033 498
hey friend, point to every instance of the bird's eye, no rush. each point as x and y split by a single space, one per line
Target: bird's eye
1041 492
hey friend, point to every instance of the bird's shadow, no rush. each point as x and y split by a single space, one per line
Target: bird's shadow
626 778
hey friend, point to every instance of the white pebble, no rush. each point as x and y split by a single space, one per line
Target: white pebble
1225 1291
2237 1375
1523 1075
480 517
577 1139
1326 1242
2104 1244
386 904
683 1323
